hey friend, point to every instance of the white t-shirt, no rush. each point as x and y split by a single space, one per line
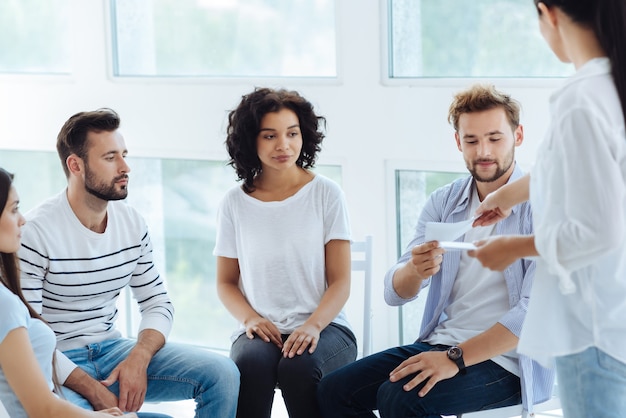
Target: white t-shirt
480 298
280 247
15 315
578 196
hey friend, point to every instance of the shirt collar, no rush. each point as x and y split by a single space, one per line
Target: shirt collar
592 68
471 184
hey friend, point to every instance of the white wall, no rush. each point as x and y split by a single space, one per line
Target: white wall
371 124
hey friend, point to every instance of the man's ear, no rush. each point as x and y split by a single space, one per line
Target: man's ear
74 164
519 135
457 138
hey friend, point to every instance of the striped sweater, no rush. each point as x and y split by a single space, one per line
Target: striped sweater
73 276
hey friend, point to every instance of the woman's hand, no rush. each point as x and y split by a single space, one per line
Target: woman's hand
497 205
265 330
491 210
116 412
305 336
498 252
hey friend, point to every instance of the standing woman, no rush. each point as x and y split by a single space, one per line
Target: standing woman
283 255
577 311
27 344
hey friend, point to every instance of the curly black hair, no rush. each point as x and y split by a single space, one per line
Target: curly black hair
244 126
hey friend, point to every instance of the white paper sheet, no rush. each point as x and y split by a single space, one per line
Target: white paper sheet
456 246
442 231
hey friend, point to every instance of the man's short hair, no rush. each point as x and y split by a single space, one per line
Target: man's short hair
481 97
72 138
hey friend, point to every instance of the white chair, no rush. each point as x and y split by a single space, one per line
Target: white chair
516 410
362 262
3 412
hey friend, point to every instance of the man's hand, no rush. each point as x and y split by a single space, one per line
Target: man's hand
430 366
426 259
132 372
133 381
97 394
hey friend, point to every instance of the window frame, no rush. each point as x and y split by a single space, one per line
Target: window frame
393 228
458 82
218 80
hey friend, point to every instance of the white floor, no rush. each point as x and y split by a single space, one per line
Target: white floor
186 409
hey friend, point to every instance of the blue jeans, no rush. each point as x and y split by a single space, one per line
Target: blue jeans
176 372
262 367
591 384
363 386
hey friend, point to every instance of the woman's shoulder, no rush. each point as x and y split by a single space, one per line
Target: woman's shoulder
323 182
15 313
8 298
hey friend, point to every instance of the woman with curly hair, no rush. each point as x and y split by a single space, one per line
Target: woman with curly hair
283 255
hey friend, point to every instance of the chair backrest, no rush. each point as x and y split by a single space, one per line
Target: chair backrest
551 405
362 262
3 412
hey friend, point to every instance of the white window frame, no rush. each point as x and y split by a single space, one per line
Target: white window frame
221 80
459 82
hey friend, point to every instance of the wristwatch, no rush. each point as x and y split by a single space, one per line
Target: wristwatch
455 354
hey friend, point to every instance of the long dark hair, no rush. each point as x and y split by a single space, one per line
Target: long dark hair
244 124
9 267
607 19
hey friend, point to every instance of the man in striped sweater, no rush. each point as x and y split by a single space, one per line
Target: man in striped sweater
79 250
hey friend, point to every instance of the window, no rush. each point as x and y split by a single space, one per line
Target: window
224 38
413 188
460 38
35 37
178 199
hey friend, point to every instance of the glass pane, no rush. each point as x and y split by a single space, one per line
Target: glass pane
35 37
178 199
224 38
413 188
478 38
38 175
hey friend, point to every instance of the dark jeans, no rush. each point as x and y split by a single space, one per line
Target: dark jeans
262 367
363 386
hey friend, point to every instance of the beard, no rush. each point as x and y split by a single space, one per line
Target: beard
501 169
104 191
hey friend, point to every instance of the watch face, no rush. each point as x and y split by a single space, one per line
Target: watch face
454 353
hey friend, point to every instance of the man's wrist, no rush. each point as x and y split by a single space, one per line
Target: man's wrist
95 392
455 354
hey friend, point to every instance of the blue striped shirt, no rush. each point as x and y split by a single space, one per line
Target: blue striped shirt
451 203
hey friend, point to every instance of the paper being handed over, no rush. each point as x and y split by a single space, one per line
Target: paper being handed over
446 233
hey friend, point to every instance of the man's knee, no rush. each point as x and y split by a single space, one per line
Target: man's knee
228 372
392 399
330 385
